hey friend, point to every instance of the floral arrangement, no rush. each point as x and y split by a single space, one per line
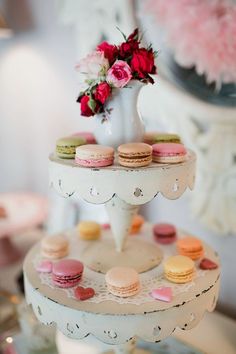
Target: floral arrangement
202 34
110 67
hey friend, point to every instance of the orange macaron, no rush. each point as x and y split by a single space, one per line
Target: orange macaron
136 225
191 247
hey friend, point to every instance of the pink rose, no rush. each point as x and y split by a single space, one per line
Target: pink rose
119 74
93 65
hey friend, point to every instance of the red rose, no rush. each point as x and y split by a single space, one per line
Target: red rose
84 106
142 62
127 48
110 51
103 91
134 35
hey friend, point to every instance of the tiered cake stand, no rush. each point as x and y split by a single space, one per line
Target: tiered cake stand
116 321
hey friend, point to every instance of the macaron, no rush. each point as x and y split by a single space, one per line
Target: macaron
65 147
122 281
157 138
89 230
164 233
179 269
54 247
88 136
67 273
191 247
136 225
93 155
135 154
168 153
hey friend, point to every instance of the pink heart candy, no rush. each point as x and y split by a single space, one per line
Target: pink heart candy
162 294
207 264
44 267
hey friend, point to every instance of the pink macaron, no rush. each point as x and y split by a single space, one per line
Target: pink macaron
168 153
164 233
94 155
67 273
88 136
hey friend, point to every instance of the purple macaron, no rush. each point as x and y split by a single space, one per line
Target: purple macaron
164 233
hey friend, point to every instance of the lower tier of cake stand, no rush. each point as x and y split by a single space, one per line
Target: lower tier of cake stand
91 345
118 321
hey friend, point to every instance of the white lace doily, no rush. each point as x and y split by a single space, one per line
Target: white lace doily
149 280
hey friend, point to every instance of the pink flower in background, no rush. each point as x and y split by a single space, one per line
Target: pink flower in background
93 65
119 74
202 33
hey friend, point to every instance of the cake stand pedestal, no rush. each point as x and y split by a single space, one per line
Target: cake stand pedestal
24 211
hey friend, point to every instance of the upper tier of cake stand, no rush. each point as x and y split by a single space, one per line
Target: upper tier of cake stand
135 186
122 189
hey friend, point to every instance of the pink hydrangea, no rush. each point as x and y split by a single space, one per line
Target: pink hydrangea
202 33
93 65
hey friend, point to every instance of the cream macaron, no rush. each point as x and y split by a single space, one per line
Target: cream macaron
122 281
55 246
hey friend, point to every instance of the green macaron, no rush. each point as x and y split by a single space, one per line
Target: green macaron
65 147
155 138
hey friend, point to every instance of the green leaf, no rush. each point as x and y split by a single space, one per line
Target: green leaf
124 36
92 104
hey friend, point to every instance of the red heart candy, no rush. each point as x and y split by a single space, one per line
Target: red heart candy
84 293
207 264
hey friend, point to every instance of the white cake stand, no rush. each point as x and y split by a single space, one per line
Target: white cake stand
111 321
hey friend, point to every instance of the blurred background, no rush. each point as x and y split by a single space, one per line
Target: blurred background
194 96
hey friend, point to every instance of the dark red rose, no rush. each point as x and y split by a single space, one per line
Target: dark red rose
127 49
134 35
110 51
142 63
103 91
85 110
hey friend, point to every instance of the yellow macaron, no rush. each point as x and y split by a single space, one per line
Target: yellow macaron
179 269
89 230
